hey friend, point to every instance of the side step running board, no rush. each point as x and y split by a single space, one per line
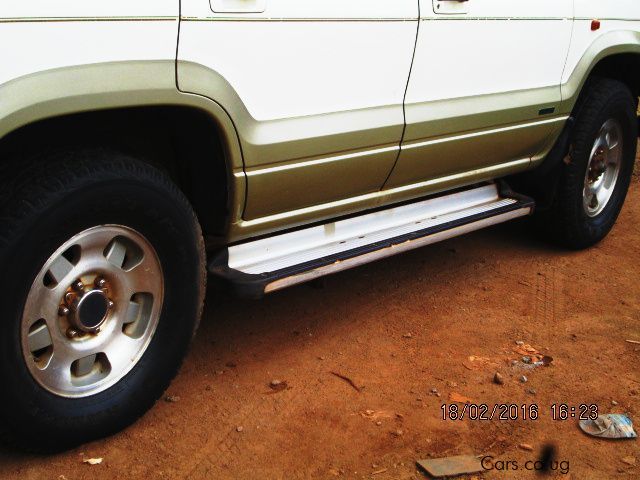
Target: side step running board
262 266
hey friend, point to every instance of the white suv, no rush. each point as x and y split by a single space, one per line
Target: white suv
271 142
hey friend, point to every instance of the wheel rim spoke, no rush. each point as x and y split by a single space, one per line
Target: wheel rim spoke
83 366
133 312
60 269
144 277
40 338
116 253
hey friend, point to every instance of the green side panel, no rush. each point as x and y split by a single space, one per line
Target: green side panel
284 190
468 133
468 114
468 153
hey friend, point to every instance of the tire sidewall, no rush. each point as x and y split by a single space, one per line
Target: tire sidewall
159 215
620 109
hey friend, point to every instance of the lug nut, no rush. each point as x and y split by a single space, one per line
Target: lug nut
68 297
72 333
100 282
78 285
63 311
110 304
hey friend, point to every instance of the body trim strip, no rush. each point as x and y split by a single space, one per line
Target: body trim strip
426 143
320 161
362 19
87 19
282 19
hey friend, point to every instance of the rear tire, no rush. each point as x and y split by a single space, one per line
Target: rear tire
107 220
595 180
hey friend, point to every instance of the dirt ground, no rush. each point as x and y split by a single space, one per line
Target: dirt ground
441 319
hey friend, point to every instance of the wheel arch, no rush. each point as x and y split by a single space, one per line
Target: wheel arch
136 108
614 55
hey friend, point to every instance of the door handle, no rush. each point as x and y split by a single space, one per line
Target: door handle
450 7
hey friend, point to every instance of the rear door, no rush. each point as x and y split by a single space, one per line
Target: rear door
315 88
484 89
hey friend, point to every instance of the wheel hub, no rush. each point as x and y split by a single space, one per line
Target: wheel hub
89 311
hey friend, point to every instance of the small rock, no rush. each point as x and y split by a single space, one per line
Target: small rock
171 398
519 342
532 391
514 363
526 446
398 433
239 429
407 335
614 403
378 423
523 379
278 385
629 460
320 358
526 359
498 379
434 391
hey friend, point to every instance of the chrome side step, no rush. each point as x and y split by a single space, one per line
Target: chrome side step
262 266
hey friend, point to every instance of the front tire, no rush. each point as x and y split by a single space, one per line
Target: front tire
103 281
594 182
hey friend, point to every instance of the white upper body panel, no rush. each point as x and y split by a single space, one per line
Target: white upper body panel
614 16
306 58
47 35
313 9
71 44
498 46
607 9
86 8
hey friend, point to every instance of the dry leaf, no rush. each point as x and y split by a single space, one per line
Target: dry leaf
377 415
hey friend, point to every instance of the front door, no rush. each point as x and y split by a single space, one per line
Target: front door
484 89
316 93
